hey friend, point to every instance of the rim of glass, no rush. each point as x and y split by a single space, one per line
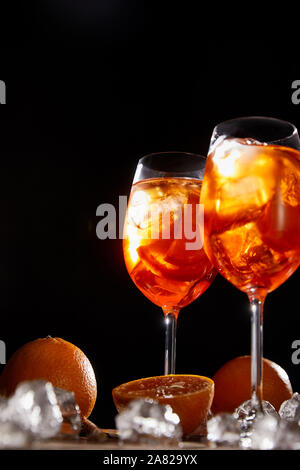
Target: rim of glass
170 153
149 171
293 128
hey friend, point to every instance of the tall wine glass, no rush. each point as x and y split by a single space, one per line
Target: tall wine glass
251 195
163 236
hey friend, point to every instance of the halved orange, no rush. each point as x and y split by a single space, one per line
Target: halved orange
190 396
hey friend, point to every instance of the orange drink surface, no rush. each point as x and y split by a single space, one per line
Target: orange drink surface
163 260
251 193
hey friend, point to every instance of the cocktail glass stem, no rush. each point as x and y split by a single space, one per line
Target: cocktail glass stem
256 303
170 344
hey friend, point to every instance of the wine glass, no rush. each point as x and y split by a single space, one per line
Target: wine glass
251 196
162 240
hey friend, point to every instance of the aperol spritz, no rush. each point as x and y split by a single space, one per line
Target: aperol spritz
252 212
163 237
251 194
160 264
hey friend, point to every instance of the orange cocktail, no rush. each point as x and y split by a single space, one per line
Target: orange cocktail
163 236
251 193
252 213
163 260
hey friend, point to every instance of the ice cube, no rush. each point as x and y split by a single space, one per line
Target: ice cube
258 430
264 433
154 213
13 436
138 209
244 255
247 416
290 409
246 411
34 408
249 192
69 409
290 179
271 432
162 214
224 428
3 402
225 155
288 436
244 179
147 421
280 222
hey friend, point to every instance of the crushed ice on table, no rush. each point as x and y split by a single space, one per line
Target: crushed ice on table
13 436
270 432
224 428
245 410
246 415
69 409
36 410
148 421
262 434
290 409
260 430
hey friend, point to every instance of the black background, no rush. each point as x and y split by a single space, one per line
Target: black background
89 91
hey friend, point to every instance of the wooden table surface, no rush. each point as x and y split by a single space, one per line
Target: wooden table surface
113 443
83 444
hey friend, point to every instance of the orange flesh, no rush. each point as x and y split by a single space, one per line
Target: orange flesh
167 386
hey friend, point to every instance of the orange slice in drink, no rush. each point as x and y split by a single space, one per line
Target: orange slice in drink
190 396
176 263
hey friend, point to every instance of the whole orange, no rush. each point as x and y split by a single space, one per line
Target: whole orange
233 384
57 361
